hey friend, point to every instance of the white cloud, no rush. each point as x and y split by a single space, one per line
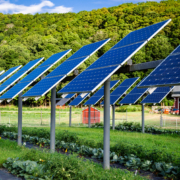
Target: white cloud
60 9
7 7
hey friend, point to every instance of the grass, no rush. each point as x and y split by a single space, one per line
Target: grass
63 165
92 137
38 117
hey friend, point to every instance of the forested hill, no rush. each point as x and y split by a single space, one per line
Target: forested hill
27 37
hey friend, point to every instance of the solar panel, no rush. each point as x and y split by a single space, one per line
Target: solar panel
99 94
34 75
133 96
9 73
13 79
68 66
78 100
121 89
157 96
166 74
1 72
65 100
96 74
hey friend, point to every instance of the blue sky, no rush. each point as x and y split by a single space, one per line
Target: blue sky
57 6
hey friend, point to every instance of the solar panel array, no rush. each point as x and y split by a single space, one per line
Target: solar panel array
64 69
65 100
13 79
157 96
1 72
167 73
35 74
99 94
133 96
78 100
96 74
9 73
121 89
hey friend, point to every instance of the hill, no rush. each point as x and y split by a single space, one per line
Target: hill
27 37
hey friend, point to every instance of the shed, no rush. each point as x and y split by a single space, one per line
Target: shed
95 115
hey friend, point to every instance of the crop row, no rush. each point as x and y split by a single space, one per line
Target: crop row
131 161
136 127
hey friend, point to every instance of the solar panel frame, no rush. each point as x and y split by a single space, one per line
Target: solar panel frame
100 97
70 70
123 92
65 100
173 53
9 99
7 86
12 72
166 93
110 74
1 72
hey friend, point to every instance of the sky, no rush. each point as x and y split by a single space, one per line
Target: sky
57 6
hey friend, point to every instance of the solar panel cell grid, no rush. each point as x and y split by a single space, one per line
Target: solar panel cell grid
29 65
140 35
93 76
54 58
115 56
19 87
65 67
157 96
88 49
133 96
78 100
132 43
8 73
167 73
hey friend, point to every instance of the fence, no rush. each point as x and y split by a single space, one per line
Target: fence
169 121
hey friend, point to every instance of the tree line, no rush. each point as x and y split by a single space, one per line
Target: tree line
27 37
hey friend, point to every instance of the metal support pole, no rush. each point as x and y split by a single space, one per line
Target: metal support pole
20 119
106 146
70 116
89 116
113 116
161 121
142 118
53 119
59 114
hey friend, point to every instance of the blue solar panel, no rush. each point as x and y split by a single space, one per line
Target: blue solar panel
115 56
157 96
19 74
111 61
88 49
167 73
121 89
88 79
78 100
8 73
64 69
40 70
99 94
141 34
133 96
